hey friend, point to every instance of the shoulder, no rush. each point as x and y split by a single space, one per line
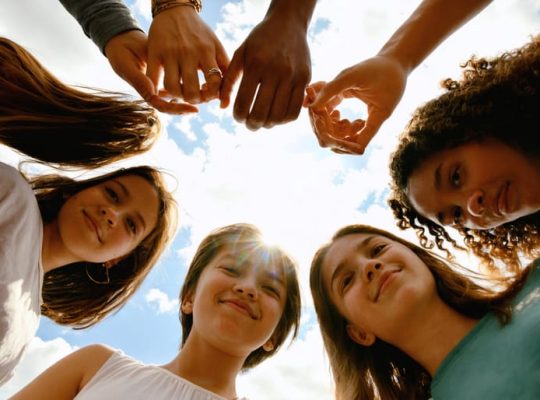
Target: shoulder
90 359
14 188
11 178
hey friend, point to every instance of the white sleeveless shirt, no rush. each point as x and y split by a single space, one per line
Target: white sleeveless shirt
21 273
122 377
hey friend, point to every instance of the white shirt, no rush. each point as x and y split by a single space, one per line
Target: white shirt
122 377
21 273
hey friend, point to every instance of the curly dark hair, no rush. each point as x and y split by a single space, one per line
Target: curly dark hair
497 98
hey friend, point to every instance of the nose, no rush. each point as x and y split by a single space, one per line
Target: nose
475 203
246 288
371 268
110 215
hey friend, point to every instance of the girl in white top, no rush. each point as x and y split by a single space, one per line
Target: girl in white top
74 251
239 302
59 238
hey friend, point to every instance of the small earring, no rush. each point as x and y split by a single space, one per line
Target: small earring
103 282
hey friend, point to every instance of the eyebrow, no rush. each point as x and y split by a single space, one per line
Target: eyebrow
359 247
128 195
245 263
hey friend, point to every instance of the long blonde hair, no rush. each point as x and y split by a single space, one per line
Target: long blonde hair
54 123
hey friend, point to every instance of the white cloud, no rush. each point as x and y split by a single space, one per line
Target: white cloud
164 304
277 179
39 356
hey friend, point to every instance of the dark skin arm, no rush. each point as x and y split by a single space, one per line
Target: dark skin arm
275 65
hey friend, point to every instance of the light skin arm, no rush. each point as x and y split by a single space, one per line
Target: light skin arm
380 81
275 65
126 53
180 43
66 378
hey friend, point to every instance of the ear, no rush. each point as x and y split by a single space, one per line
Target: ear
360 336
269 345
187 304
112 263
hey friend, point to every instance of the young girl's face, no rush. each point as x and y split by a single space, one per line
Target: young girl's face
478 185
108 220
376 284
238 301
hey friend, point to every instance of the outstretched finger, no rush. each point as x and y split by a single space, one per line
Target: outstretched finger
231 75
171 107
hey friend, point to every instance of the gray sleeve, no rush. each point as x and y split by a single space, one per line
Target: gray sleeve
101 20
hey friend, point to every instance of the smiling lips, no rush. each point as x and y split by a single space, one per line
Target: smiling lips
92 224
240 306
384 280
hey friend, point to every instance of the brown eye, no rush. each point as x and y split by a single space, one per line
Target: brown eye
111 194
131 225
455 177
377 249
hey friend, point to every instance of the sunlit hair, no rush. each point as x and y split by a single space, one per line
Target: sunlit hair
70 297
382 371
242 238
497 98
55 123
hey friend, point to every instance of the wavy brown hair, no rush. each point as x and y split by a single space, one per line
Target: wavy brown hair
382 371
497 98
247 237
49 121
70 296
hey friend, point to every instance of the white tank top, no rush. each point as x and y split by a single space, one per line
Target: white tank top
122 377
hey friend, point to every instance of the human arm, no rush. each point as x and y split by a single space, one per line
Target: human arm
380 81
64 379
180 43
111 26
275 59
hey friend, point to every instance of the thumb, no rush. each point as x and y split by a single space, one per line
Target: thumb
373 123
331 90
142 84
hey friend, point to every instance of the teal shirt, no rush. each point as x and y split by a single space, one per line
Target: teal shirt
495 362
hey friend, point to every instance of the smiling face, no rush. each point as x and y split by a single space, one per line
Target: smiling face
479 185
376 284
109 220
238 301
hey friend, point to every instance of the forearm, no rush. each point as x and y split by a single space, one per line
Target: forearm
299 11
428 26
101 20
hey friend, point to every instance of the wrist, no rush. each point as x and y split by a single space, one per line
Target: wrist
290 12
159 6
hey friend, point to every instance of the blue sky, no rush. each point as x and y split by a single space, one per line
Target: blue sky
278 179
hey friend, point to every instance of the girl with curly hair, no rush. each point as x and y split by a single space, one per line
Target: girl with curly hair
399 322
239 302
468 160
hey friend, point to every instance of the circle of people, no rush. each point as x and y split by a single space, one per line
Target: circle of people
398 321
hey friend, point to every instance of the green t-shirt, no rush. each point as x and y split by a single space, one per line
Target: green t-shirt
495 362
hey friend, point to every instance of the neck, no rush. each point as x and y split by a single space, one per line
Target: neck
53 253
442 328
207 366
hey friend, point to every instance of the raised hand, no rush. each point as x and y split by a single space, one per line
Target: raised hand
275 65
126 53
181 44
379 82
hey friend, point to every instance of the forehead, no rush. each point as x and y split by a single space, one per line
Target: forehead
253 256
341 249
